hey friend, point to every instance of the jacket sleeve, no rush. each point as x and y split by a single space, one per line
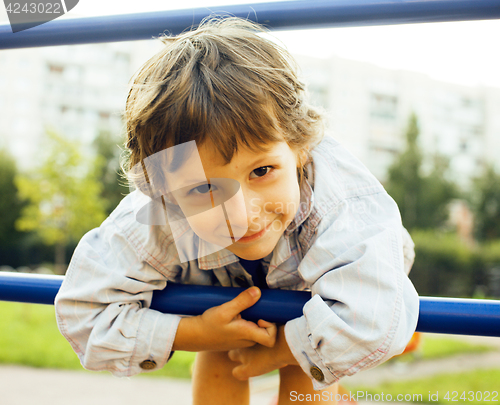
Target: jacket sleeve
364 308
102 308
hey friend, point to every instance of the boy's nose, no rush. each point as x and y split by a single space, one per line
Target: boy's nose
242 211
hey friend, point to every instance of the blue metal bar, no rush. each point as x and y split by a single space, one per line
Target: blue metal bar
438 315
459 316
280 15
31 288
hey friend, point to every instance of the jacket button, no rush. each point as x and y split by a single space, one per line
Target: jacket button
148 364
317 373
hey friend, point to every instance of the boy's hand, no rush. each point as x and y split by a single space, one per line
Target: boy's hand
258 360
222 328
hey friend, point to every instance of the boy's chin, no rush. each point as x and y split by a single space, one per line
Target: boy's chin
248 253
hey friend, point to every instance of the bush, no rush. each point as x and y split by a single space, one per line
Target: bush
446 266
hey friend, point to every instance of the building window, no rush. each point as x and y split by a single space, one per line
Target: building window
318 95
383 106
56 69
463 145
122 57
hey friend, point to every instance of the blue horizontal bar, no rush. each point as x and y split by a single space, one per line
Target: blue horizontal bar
299 14
30 288
437 315
459 316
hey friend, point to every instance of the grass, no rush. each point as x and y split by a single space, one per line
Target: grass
471 384
29 336
440 347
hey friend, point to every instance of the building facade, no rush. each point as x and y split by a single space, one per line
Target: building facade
368 109
77 91
80 90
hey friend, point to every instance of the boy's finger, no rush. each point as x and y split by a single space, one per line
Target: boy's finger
239 374
263 337
272 329
265 324
234 355
241 302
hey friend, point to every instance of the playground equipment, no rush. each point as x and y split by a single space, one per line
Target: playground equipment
281 15
440 315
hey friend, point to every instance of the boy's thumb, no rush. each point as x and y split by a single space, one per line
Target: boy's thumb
244 300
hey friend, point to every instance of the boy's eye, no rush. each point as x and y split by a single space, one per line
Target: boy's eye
262 171
203 189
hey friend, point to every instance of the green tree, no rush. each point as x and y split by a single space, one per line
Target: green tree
108 162
422 199
10 204
405 179
486 204
63 197
437 192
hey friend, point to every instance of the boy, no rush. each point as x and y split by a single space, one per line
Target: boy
224 144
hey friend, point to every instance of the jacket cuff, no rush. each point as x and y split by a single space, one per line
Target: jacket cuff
306 355
154 341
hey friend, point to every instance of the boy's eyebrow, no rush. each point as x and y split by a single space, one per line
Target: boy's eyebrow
197 180
262 159
193 182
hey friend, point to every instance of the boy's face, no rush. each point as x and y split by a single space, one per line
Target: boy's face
261 210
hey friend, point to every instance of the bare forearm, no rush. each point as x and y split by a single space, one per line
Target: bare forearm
187 337
282 349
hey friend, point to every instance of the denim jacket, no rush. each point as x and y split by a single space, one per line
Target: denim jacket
346 245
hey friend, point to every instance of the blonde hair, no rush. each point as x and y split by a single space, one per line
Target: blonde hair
221 83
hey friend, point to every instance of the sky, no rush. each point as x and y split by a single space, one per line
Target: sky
459 52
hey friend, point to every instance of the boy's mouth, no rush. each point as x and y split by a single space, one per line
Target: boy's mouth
255 236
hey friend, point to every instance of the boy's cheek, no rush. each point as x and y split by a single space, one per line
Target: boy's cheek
211 226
